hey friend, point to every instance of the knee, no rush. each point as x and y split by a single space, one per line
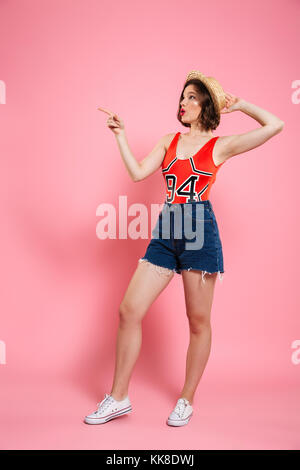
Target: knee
198 321
129 313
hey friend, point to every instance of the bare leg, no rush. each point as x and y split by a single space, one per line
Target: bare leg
145 286
198 299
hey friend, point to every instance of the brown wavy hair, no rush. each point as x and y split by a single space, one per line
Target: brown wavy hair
208 118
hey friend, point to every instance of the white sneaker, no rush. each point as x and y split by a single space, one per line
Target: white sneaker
108 409
181 414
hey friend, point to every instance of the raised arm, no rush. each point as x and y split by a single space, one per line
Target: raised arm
228 146
139 170
154 159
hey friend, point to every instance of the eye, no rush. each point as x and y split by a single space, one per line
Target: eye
191 96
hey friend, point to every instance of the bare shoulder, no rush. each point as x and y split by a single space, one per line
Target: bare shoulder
167 139
220 150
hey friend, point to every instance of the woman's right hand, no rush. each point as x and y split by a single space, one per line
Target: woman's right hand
114 122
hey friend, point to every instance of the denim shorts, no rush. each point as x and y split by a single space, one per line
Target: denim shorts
186 236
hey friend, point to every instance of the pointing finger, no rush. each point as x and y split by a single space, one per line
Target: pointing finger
106 111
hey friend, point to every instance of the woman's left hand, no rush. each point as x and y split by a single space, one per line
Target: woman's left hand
232 103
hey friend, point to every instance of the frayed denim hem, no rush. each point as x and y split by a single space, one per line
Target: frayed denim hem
159 269
168 271
220 274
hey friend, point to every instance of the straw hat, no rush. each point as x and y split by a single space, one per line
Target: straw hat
215 90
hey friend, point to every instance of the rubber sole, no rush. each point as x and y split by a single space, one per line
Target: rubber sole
108 418
179 422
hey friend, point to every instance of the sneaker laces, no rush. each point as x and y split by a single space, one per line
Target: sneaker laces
181 406
102 405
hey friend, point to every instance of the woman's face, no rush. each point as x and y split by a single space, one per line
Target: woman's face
190 104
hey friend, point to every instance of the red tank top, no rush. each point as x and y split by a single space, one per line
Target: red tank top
189 179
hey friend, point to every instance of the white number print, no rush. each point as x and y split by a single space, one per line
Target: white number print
190 194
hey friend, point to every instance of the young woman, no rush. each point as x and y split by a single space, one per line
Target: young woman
189 164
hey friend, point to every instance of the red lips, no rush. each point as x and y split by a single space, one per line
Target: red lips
182 111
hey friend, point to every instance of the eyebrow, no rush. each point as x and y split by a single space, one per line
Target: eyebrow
190 92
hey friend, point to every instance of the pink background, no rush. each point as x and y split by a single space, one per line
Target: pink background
62 286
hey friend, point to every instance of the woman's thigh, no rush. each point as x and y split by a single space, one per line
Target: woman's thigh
144 287
198 295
